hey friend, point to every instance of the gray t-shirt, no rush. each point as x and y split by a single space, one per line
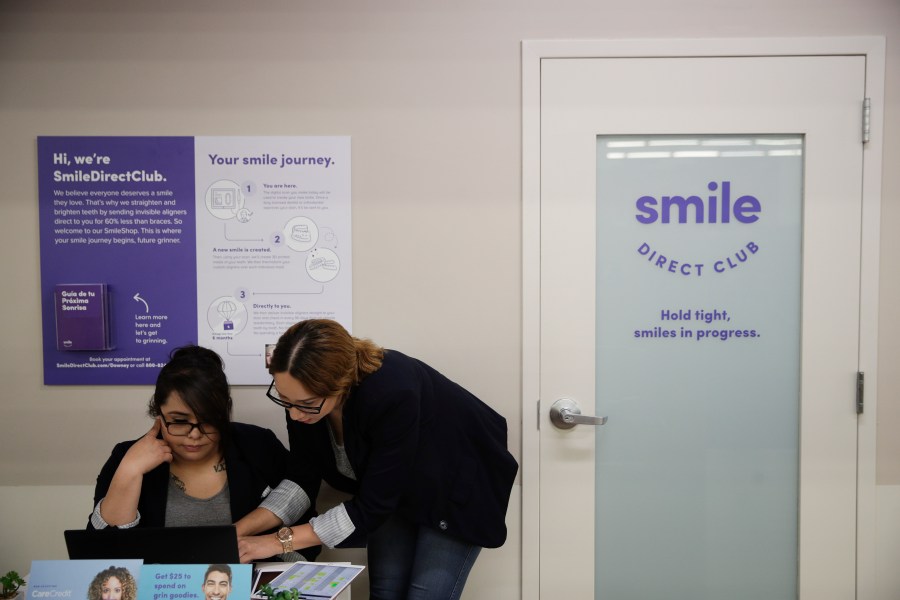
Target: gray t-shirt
184 510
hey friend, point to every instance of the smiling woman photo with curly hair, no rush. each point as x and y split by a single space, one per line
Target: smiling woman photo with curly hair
114 583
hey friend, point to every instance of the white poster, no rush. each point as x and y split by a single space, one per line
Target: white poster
273 242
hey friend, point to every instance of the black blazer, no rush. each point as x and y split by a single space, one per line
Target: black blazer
420 445
256 461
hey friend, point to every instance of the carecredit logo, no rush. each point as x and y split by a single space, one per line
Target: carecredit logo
720 206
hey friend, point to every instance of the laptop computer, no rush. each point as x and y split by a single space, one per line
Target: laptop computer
162 545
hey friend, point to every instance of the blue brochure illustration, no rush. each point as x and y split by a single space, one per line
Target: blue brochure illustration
85 579
316 580
195 582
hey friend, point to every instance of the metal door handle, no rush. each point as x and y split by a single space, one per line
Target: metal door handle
565 414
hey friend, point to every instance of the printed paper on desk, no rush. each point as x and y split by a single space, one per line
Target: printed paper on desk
316 580
195 582
78 579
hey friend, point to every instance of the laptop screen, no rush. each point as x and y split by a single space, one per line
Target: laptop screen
163 545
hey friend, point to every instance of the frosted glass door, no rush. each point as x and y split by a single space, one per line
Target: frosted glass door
698 366
699 250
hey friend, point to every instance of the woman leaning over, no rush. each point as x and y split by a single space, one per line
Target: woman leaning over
425 460
195 466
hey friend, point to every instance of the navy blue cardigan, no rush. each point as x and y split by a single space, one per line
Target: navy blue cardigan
421 446
255 458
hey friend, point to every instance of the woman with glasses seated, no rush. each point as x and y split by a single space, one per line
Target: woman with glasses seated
425 460
195 466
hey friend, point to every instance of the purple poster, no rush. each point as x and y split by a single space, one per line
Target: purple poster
150 243
118 256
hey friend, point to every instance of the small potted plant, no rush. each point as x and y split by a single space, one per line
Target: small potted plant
9 584
271 594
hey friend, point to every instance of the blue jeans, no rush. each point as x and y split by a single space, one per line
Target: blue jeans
409 562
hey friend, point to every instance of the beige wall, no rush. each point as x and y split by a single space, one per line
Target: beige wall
430 93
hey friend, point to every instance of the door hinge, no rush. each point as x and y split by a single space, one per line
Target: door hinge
866 119
860 389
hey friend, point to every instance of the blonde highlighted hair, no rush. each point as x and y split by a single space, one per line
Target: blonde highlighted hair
324 357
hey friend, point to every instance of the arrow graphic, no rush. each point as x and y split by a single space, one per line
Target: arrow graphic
137 298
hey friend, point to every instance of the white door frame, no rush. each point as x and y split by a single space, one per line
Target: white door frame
533 51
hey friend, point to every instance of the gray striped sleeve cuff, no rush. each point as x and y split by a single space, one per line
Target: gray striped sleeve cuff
288 502
98 522
334 526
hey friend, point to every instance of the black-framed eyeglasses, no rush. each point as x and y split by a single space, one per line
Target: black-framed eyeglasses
183 428
312 409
